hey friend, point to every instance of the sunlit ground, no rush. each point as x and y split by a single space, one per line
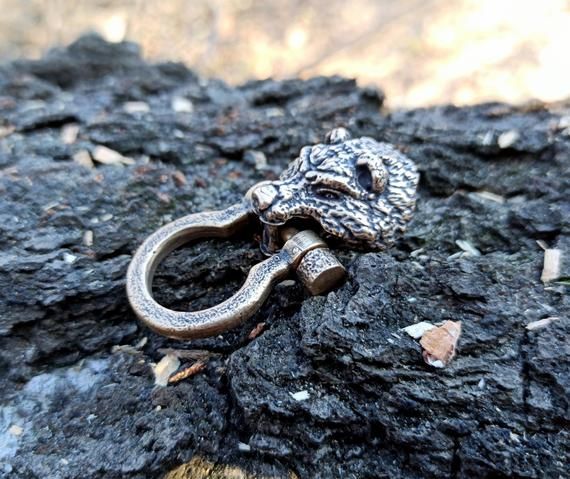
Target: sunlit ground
420 52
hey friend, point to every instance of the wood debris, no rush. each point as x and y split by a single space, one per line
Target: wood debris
163 197
551 268
200 182
187 372
88 238
440 343
16 430
541 323
243 447
488 195
130 349
187 353
6 130
165 367
417 330
106 156
182 105
179 178
69 133
508 138
300 395
257 158
69 258
83 158
468 248
255 332
136 107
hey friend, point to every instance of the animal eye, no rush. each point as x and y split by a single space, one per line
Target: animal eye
327 193
364 177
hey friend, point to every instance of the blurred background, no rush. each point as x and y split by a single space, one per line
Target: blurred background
420 52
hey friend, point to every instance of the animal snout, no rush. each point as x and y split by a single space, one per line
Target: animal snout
263 197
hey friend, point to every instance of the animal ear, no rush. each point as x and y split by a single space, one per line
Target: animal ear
337 135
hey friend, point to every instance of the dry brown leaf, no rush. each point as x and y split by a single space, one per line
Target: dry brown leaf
440 343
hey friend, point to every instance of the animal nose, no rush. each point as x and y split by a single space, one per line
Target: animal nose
263 197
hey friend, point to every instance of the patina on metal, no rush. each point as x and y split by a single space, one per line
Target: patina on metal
357 193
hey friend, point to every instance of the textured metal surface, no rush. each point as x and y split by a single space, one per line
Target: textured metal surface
237 308
320 271
359 191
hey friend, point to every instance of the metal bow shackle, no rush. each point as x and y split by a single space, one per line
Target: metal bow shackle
358 192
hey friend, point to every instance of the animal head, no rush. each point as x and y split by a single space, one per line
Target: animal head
359 191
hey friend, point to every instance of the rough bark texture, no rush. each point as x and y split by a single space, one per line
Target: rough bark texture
75 406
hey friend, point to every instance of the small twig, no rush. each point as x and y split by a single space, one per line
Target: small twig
188 372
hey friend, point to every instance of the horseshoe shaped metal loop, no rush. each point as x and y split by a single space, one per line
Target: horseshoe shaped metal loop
360 192
257 286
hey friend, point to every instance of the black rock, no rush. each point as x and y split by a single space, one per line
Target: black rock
75 405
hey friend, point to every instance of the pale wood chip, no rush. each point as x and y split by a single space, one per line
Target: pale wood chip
182 105
508 138
440 343
488 195
243 447
83 158
16 430
6 130
165 367
136 107
88 238
107 156
541 323
300 395
69 133
468 248
259 159
551 268
417 330
127 348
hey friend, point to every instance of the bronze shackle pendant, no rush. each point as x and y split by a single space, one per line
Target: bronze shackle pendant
358 193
